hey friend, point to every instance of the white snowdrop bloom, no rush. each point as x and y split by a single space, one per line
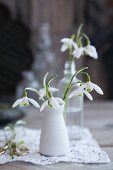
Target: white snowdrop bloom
53 101
79 92
91 51
42 91
67 44
86 88
89 86
78 52
25 102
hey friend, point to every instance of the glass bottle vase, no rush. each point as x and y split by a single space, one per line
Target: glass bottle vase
73 112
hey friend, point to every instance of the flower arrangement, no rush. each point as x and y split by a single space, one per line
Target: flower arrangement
54 126
76 46
76 49
46 93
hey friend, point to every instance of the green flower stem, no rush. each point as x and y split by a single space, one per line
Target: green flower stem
70 83
87 38
78 32
71 58
68 88
65 109
48 94
79 71
29 88
88 77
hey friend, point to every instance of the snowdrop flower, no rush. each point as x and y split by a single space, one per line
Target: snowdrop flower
78 52
25 102
80 91
89 86
91 51
42 91
53 101
86 88
67 44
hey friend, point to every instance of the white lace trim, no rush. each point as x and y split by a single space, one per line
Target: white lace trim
86 150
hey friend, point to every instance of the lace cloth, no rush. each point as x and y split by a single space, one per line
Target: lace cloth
86 150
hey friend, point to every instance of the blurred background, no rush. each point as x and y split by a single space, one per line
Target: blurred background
30 33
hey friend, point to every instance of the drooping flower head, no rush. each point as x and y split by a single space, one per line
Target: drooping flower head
43 90
76 46
46 92
86 88
24 101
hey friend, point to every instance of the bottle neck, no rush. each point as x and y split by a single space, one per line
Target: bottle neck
69 69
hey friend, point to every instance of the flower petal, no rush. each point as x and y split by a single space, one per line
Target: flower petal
89 86
88 95
60 101
78 52
64 47
73 93
91 51
42 92
43 105
52 89
75 45
54 102
97 89
65 40
17 102
34 102
78 91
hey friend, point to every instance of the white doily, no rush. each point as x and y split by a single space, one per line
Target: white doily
86 150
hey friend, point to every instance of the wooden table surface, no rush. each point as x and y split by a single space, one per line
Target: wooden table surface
98 117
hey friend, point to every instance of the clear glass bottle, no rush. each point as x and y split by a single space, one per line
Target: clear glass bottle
73 112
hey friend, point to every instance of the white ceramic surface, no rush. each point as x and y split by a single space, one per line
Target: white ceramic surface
54 139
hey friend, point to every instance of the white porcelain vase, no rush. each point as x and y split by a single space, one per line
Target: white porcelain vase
54 139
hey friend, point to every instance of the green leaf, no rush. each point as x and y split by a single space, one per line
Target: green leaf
79 31
44 80
32 89
73 37
50 80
